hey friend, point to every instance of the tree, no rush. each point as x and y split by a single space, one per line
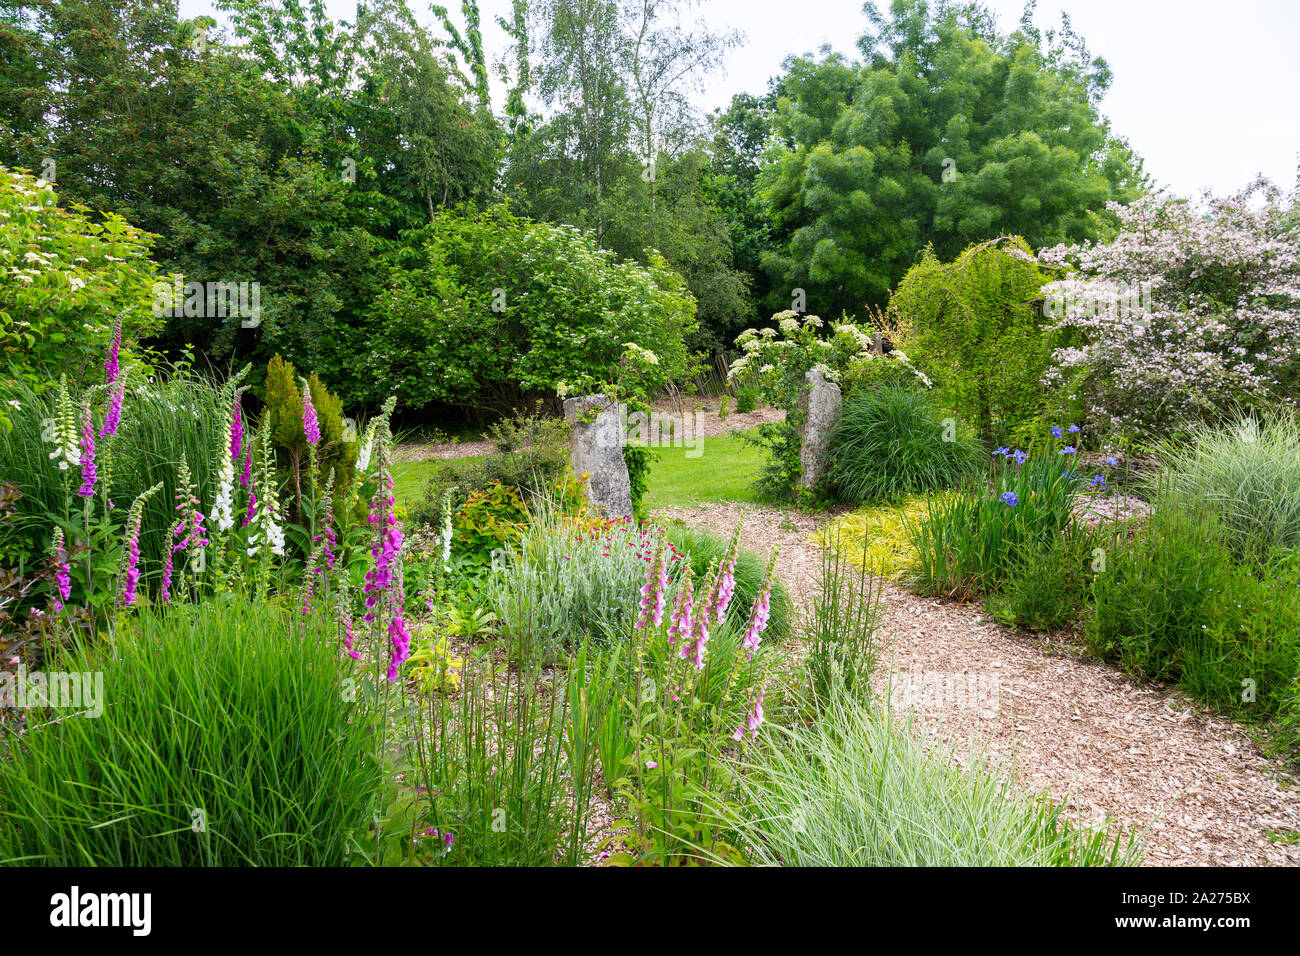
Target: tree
945 134
974 324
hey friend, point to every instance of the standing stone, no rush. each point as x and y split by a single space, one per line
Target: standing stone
821 403
596 450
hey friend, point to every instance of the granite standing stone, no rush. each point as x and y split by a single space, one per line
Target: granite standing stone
821 403
596 450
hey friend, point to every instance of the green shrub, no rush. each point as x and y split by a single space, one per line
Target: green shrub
891 442
859 787
532 457
231 709
482 309
1174 605
338 449
704 547
1249 473
973 324
566 582
1047 586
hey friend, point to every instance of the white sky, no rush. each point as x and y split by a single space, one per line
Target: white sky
1204 90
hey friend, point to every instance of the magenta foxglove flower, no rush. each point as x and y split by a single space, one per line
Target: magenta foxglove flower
111 364
653 591
88 473
113 417
237 431
62 571
401 640
761 611
310 422
679 622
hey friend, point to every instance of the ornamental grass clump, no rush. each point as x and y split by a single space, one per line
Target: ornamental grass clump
893 441
224 741
864 787
1248 472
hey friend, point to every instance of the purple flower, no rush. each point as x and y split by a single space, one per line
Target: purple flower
1020 457
1112 462
237 431
113 418
1056 432
679 622
653 591
111 365
310 423
1004 451
401 640
1010 499
1073 429
761 611
88 473
62 577
1067 450
1098 480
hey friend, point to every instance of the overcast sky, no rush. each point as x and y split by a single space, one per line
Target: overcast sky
1204 90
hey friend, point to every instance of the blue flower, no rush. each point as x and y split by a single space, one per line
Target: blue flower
1099 481
1020 457
1067 450
1073 429
1003 451
1112 462
1057 433
1010 499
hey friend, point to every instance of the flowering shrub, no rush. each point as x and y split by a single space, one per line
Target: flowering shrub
774 364
65 280
1184 313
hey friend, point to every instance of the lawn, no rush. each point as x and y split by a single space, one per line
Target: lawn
721 468
724 469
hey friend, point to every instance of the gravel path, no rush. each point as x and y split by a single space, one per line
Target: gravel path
1110 747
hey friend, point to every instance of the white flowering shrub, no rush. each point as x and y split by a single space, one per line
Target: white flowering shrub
1186 312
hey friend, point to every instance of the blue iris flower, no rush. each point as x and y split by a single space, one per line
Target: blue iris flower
1056 432
1020 457
1112 462
1067 450
1073 429
1010 498
1099 481
1003 451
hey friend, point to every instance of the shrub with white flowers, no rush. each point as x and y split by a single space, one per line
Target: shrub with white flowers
1186 312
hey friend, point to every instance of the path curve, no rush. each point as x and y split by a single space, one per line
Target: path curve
1106 745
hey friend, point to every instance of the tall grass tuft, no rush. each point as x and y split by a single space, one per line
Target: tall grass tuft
865 788
1249 473
226 739
891 442
840 627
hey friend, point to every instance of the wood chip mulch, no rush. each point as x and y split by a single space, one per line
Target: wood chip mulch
1112 749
